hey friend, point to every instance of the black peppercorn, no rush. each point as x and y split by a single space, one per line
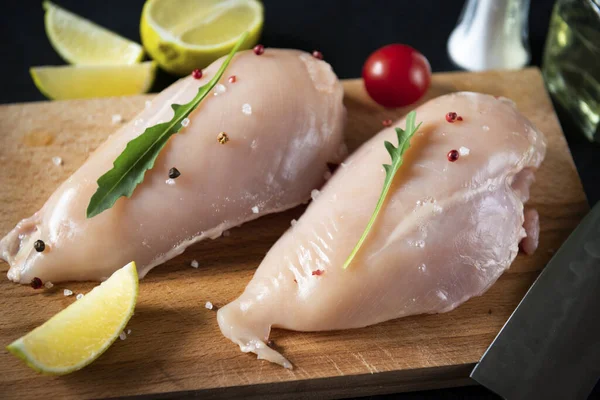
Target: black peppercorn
39 245
174 173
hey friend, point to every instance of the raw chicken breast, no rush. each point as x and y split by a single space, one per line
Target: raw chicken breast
284 118
446 232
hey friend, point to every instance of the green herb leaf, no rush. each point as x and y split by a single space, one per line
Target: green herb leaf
396 153
140 153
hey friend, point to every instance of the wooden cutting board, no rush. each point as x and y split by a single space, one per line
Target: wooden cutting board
175 347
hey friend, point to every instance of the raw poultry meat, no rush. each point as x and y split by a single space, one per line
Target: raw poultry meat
284 116
447 230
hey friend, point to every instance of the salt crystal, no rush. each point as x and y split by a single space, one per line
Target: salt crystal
185 122
327 175
220 88
485 128
247 109
422 267
293 222
48 285
129 331
226 233
420 243
314 194
148 103
464 151
116 118
194 264
253 144
208 305
437 209
255 210
170 181
79 296
56 160
67 292
122 336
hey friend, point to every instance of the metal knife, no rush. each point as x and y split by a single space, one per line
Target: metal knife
550 346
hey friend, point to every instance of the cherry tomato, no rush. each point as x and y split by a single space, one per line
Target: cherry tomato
396 75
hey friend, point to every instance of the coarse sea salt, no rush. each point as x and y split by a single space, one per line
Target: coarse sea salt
116 118
220 88
314 194
247 109
79 296
170 181
129 331
185 122
464 151
67 292
48 285
194 264
327 175
123 336
293 222
253 145
209 305
58 161
255 209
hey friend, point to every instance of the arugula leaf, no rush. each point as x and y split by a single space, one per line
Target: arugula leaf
140 153
396 153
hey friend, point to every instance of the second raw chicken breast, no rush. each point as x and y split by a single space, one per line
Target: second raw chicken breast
450 226
283 114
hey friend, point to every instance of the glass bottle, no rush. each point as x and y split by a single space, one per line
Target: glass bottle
571 64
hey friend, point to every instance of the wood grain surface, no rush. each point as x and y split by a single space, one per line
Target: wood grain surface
175 348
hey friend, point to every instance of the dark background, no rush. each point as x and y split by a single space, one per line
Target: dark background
346 31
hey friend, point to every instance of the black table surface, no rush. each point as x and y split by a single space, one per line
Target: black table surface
346 31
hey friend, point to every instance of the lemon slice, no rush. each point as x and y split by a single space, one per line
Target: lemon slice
82 42
85 81
182 35
80 333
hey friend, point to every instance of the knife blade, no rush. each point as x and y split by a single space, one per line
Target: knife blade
550 346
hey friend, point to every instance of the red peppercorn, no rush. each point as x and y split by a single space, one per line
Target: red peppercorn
386 122
318 272
197 73
453 155
459 118
259 49
451 117
232 79
36 283
317 54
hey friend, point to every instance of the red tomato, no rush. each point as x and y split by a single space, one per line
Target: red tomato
396 75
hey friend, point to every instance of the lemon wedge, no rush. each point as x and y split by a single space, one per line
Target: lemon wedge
86 81
80 333
82 42
182 35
